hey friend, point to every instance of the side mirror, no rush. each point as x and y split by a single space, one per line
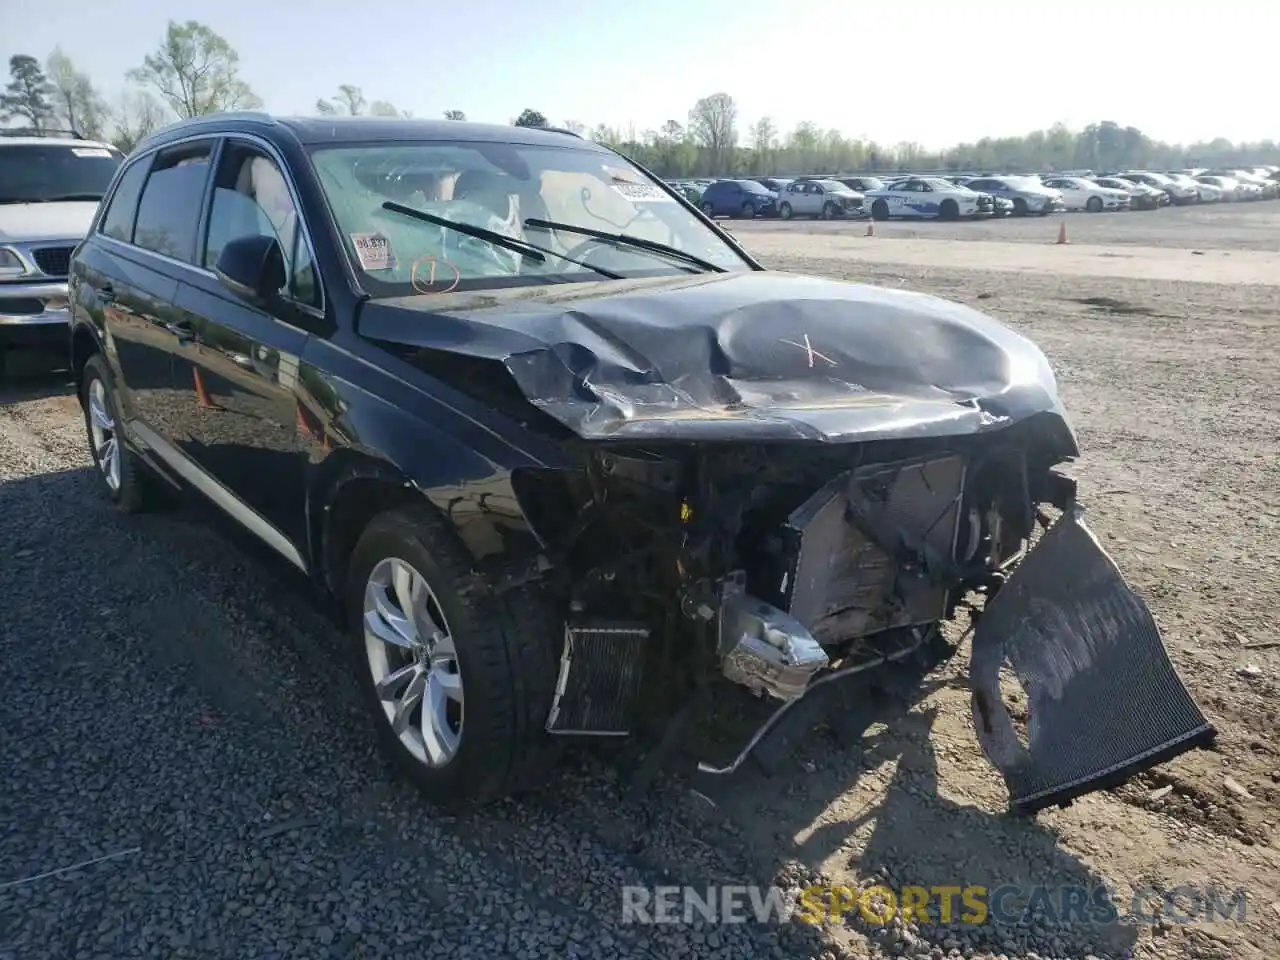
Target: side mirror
252 267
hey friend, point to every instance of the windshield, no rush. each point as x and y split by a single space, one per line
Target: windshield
1157 177
945 185
499 188
834 186
752 187
39 173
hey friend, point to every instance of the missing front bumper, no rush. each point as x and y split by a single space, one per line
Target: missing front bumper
1103 700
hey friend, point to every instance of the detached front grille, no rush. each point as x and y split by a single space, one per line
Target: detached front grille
54 261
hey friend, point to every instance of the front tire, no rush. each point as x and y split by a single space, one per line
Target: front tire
879 210
119 475
459 682
1019 207
709 210
1094 205
950 210
748 212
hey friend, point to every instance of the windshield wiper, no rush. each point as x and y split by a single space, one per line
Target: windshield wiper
626 240
531 250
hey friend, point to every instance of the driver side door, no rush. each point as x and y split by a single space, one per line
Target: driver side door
248 427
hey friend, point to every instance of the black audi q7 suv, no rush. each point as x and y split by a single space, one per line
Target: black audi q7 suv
565 457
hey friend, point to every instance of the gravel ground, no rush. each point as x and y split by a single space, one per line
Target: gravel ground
174 700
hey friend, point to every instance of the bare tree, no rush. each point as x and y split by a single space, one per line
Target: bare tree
454 115
349 102
381 108
196 71
713 122
137 116
764 136
28 94
75 98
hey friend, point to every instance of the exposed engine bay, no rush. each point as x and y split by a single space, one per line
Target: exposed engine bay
780 567
775 482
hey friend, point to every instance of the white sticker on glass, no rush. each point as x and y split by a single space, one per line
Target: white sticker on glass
91 152
373 251
642 193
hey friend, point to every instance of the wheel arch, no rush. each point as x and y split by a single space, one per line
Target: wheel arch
84 344
475 499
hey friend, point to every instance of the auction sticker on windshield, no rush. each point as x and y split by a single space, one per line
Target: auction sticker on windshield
91 152
642 193
374 251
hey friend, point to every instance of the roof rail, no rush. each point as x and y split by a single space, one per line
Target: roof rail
563 130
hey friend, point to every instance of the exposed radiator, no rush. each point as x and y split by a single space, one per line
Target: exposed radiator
601 671
867 551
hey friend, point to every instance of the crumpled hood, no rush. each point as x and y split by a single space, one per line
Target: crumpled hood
36 222
741 356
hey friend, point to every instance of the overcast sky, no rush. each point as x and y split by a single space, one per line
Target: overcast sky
932 72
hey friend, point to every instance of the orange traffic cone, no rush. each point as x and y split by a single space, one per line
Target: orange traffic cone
871 229
303 428
1062 232
202 395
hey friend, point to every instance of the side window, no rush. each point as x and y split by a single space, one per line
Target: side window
117 222
171 201
251 198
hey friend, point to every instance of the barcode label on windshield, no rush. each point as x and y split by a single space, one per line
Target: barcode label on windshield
91 152
642 193
374 251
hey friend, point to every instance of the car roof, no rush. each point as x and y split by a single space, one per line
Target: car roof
314 131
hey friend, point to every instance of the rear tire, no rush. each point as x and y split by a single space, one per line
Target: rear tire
784 211
504 650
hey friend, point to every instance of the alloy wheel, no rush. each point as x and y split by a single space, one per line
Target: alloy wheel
413 661
103 436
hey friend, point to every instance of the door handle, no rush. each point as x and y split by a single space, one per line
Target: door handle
107 293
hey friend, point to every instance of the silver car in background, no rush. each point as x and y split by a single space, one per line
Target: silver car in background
49 192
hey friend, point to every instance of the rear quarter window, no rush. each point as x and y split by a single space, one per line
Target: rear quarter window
117 222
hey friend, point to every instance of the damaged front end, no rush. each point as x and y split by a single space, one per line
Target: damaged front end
782 568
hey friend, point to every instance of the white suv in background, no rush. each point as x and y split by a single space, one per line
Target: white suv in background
49 191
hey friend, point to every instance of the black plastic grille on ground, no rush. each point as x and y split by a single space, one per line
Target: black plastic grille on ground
1103 700
600 676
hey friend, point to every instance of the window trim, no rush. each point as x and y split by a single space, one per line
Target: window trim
227 141
169 148
148 156
104 208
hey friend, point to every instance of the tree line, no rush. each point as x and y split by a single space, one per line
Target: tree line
194 71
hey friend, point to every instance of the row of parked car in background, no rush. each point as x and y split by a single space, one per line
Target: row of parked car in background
961 196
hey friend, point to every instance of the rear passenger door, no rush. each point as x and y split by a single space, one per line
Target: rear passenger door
248 430
145 252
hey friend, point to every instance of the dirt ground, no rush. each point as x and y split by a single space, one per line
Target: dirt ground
1171 387
1170 381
